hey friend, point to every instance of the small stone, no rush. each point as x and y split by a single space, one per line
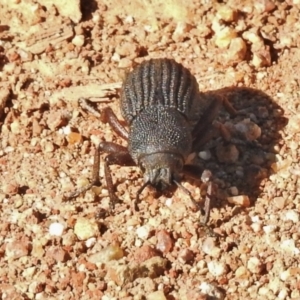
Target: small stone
57 253
205 155
212 291
143 232
237 50
234 190
158 295
56 229
78 40
248 130
289 246
279 202
164 241
16 249
269 229
182 28
242 200
285 275
281 165
256 227
224 37
186 256
56 120
262 57
294 124
227 153
254 265
90 242
217 268
241 272
144 253
49 147
112 252
208 244
292 215
74 138
125 63
15 127
85 228
127 49
226 14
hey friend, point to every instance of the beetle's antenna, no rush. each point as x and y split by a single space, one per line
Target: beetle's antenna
137 198
186 191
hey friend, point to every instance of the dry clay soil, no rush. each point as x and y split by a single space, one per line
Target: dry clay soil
54 52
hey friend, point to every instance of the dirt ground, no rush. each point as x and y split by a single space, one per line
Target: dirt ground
54 52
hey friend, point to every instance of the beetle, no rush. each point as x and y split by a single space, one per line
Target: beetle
168 119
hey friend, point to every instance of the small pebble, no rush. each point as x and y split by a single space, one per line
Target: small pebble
241 200
269 228
158 295
289 246
112 252
85 228
78 40
226 13
212 290
90 242
186 256
292 215
143 232
241 271
217 268
205 155
144 253
224 37
249 130
56 229
254 265
164 241
16 249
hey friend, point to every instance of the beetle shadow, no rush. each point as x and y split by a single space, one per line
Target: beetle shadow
246 173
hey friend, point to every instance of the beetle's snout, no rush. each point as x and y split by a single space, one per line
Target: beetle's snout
161 178
160 169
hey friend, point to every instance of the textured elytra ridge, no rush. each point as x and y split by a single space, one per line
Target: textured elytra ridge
162 82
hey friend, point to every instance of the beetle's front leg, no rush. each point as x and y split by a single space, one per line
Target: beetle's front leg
117 154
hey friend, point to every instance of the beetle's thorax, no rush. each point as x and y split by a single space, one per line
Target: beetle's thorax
159 142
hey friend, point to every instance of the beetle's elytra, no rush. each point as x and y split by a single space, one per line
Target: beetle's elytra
167 118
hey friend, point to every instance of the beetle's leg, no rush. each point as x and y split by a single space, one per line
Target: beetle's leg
106 116
117 154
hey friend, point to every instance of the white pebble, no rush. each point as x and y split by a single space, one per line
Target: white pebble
169 202
292 215
269 228
289 246
254 265
78 40
217 268
56 229
143 232
212 290
90 242
205 155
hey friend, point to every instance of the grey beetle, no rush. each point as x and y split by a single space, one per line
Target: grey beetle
168 119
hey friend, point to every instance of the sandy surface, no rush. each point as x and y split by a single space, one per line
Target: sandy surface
54 52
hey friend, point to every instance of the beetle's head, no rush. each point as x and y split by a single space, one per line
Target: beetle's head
161 169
